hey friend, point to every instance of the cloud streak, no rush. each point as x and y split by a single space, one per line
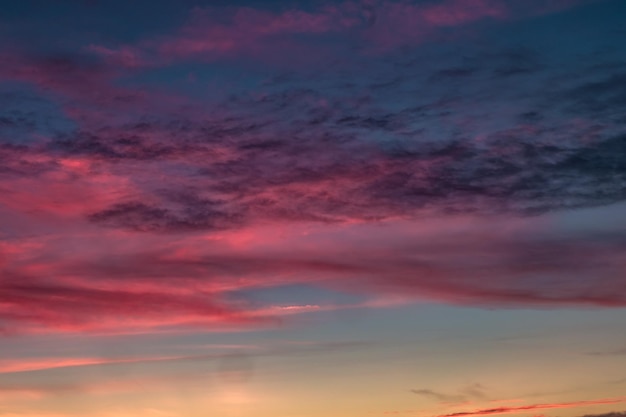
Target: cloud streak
507 410
212 33
475 391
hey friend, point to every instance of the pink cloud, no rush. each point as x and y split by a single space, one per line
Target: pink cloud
127 57
129 282
42 364
401 23
91 310
87 88
458 12
213 32
71 187
259 32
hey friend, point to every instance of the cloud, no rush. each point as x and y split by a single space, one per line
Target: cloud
246 165
33 379
150 181
444 398
617 352
274 183
611 414
194 280
243 163
474 391
506 410
262 33
197 214
36 367
15 366
40 306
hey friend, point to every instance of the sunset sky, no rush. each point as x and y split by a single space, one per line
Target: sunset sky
283 208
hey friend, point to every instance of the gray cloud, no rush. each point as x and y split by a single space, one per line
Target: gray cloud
473 391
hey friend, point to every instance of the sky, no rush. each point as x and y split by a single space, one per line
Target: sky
278 208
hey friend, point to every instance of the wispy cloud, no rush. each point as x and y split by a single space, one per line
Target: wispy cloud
212 33
474 391
444 398
616 352
506 410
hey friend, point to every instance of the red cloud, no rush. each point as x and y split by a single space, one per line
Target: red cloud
128 282
506 410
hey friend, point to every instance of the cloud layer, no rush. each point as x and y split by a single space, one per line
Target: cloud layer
146 184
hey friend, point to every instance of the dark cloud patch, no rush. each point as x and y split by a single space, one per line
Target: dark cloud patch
68 64
444 398
617 352
124 146
531 116
605 160
323 154
136 216
329 148
27 116
598 97
18 119
54 71
611 414
474 391
382 122
521 168
190 213
19 161
334 178
455 72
